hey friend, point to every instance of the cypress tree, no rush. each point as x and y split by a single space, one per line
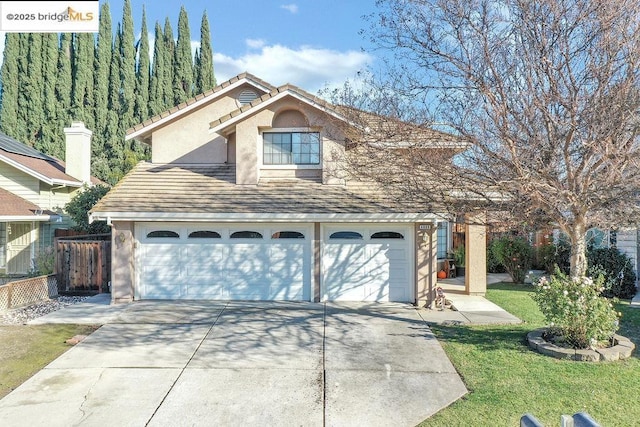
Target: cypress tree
51 138
156 95
64 83
142 74
127 69
82 100
183 71
10 85
196 71
33 90
168 55
23 96
102 68
205 77
114 138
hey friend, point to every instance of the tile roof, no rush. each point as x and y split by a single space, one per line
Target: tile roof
152 188
12 205
199 97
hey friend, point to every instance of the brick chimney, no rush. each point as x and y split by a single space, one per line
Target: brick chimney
78 152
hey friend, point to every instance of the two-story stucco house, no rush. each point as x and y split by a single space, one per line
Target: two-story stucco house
238 202
34 188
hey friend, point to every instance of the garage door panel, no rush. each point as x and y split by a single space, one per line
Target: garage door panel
373 269
212 265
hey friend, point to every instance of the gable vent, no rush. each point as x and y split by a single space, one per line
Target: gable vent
246 96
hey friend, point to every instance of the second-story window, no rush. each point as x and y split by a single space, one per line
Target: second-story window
291 148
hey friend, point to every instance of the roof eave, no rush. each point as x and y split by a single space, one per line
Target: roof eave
224 127
261 217
143 134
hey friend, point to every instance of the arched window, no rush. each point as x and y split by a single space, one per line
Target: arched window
387 235
163 233
287 235
346 235
204 234
246 235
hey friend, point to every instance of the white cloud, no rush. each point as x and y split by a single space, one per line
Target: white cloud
293 8
255 43
309 68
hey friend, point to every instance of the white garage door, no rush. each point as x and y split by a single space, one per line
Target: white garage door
213 261
367 263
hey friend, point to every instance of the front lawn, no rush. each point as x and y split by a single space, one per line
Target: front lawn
27 349
506 379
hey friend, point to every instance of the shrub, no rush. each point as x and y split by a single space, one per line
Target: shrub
515 254
575 310
44 262
552 255
619 278
493 265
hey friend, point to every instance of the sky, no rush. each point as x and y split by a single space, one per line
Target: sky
312 44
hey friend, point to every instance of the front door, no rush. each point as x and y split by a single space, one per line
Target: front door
19 247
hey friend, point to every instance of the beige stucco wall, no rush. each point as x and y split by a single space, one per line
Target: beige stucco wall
475 279
287 113
426 262
122 262
187 139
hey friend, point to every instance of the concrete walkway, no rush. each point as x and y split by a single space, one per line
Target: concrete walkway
173 363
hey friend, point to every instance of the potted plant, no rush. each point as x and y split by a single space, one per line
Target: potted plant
459 259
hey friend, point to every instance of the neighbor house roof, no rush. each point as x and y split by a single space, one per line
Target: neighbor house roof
32 162
148 125
15 208
209 192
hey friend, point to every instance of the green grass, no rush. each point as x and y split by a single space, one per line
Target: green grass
27 349
506 379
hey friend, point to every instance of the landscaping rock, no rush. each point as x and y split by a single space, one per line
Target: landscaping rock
622 349
75 339
587 356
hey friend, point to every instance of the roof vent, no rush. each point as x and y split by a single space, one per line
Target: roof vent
246 96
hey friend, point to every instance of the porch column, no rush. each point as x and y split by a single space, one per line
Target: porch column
426 263
122 262
475 279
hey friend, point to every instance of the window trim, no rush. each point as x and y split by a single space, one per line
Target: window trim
264 165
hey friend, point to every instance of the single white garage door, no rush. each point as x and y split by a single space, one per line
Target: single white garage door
214 261
367 263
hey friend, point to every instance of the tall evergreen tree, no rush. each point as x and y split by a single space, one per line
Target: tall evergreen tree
82 100
114 136
168 55
23 96
64 82
183 71
33 90
196 71
102 69
156 95
51 138
142 74
205 77
127 69
10 85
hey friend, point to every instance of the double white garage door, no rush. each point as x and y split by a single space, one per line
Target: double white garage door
273 262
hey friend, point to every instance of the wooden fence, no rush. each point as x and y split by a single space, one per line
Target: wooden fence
83 263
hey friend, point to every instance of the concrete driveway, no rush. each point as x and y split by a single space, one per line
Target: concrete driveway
237 363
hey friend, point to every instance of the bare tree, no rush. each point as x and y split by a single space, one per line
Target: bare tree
545 92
